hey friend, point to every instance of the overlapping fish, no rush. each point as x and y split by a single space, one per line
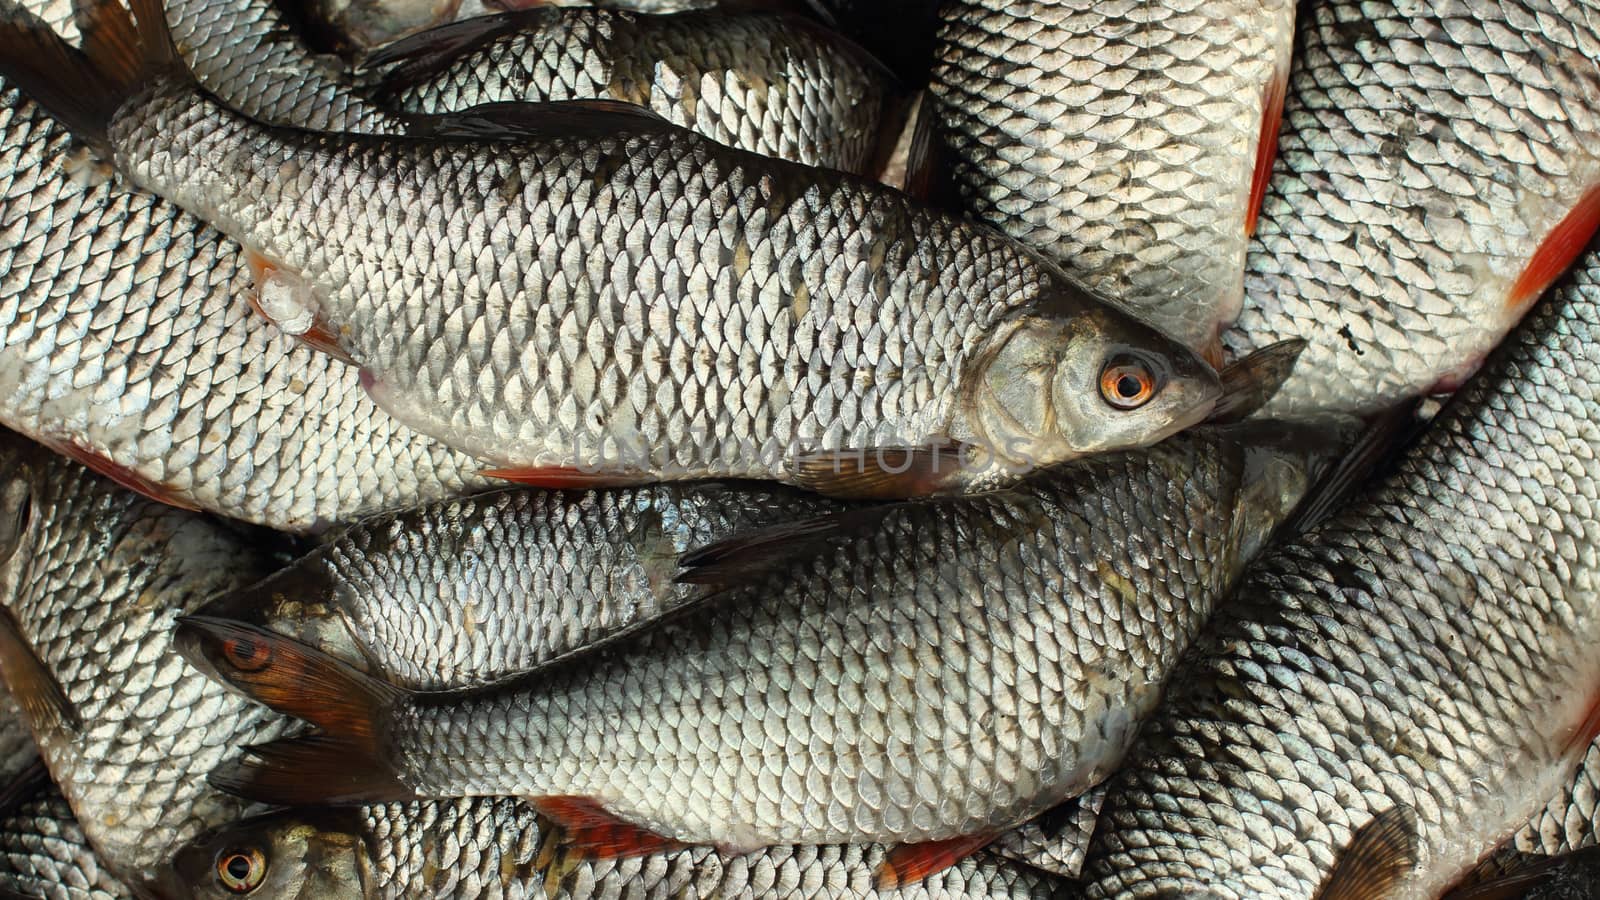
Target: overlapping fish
595 295
1386 700
91 577
776 85
502 848
1011 643
1127 140
124 342
1439 167
468 592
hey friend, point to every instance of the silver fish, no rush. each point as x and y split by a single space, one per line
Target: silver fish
500 848
125 340
249 55
772 84
1120 138
1011 643
610 294
1439 166
467 592
91 577
1390 697
44 852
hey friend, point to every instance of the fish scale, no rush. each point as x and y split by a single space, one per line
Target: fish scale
93 584
499 849
123 330
1427 152
1431 646
775 85
1118 138
1011 651
45 854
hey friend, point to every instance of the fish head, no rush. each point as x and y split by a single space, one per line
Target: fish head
1068 377
301 854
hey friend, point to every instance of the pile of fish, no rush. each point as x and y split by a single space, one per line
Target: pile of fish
833 449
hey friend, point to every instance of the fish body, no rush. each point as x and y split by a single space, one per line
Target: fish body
92 578
497 848
467 592
551 313
125 339
1439 165
1571 820
613 295
1406 685
1118 138
247 53
44 852
1010 644
772 84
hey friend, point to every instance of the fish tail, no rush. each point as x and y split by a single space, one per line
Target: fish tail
347 762
124 50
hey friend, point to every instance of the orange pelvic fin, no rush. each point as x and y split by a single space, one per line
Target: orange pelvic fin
908 864
590 830
1557 251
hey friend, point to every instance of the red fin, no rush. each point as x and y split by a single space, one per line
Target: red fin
565 477
1587 730
884 473
1266 146
588 829
320 337
121 474
1558 249
908 864
292 678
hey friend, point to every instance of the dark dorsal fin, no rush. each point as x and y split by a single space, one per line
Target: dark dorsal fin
520 121
743 557
1250 382
414 58
35 687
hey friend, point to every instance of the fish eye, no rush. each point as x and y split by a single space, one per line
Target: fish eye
241 871
247 655
1127 383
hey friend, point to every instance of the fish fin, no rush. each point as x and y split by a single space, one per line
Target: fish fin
314 770
321 338
1381 853
1587 731
1266 144
119 473
23 786
743 556
293 678
515 120
36 689
883 473
1212 352
590 830
1376 446
565 477
14 519
412 59
1250 382
1557 251
84 88
1526 872
908 864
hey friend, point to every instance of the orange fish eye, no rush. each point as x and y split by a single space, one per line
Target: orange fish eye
241 871
246 655
1127 384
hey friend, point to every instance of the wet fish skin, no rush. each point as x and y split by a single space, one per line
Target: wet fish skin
772 84
1040 618
1571 820
93 580
45 854
500 848
124 331
248 54
1429 648
829 313
1117 138
467 592
1427 150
